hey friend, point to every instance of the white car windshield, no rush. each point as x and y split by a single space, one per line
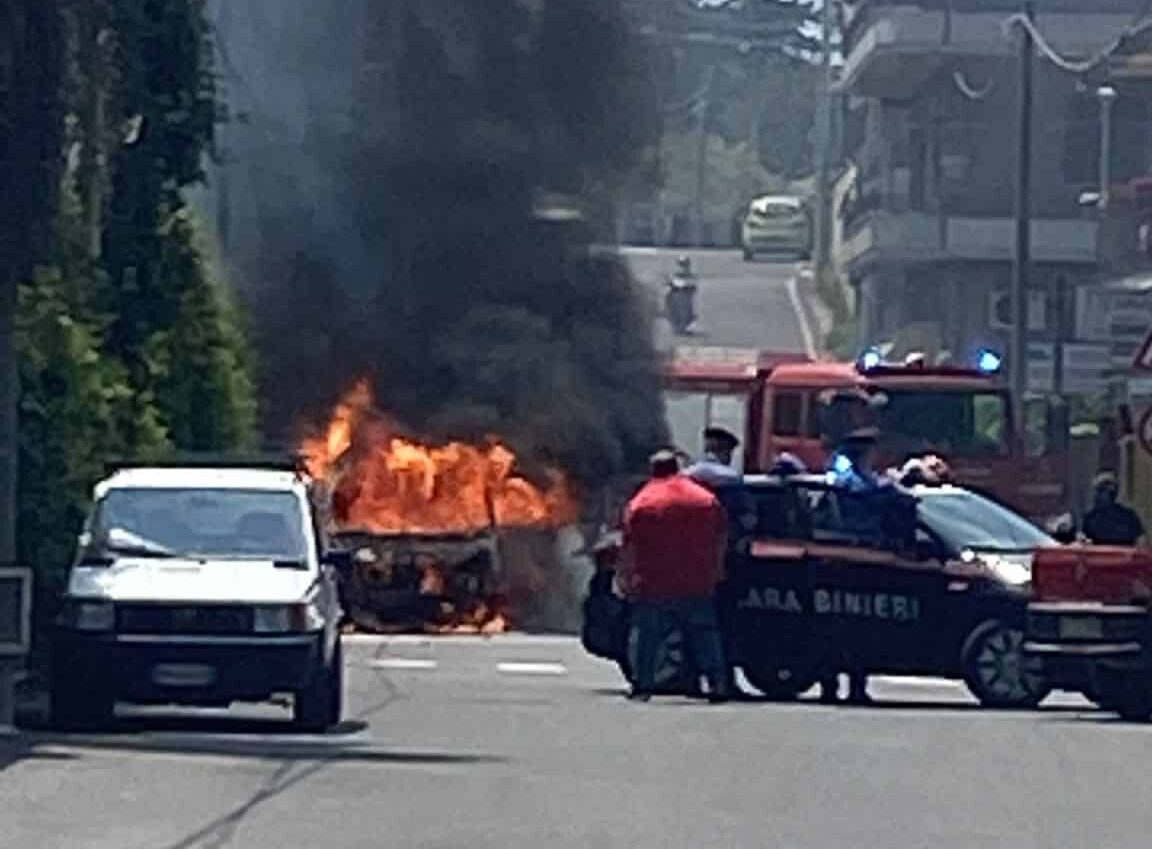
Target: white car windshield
965 520
232 524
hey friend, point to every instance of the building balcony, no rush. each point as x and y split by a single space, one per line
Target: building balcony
883 237
896 48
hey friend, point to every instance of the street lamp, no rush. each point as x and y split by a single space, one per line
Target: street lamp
1107 95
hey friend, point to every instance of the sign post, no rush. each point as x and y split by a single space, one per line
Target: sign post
15 635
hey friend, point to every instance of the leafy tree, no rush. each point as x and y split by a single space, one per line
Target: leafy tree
127 343
170 325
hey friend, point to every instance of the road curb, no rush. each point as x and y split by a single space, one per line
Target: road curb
811 309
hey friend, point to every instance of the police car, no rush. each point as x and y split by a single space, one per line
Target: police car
200 586
822 580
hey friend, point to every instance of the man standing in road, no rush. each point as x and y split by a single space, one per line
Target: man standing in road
675 533
1109 522
715 467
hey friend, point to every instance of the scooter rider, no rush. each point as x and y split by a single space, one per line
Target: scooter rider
680 296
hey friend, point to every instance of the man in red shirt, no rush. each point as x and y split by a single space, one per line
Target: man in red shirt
675 533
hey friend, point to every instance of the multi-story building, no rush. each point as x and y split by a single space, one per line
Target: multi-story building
930 127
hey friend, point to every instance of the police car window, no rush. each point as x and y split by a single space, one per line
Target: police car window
840 516
230 524
965 520
773 512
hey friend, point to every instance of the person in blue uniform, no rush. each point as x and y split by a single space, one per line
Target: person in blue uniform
851 467
715 467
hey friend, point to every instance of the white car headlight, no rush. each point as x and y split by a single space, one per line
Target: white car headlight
288 619
90 615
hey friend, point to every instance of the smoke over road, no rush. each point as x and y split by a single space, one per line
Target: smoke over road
383 163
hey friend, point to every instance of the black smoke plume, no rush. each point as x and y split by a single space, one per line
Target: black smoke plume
383 165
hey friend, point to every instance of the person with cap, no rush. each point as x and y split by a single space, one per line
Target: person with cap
852 465
1109 522
675 536
715 467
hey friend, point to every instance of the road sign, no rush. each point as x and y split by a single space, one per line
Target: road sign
1144 430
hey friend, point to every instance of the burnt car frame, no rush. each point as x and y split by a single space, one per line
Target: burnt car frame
813 588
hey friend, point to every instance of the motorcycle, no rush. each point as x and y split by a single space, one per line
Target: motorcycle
680 302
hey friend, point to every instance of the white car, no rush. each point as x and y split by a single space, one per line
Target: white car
200 586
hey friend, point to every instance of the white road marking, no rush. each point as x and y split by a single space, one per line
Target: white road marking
426 640
403 663
918 682
532 668
802 318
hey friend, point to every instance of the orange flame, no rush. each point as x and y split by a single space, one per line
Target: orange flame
384 483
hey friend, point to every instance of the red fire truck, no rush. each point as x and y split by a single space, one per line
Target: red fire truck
777 402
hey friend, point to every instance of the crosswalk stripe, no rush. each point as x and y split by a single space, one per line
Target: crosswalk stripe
532 668
918 682
403 663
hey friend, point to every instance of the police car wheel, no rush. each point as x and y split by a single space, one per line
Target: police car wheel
779 683
998 672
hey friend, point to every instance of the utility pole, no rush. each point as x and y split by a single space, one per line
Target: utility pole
1021 272
1107 95
823 218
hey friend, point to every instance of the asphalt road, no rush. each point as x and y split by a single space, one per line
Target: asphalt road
740 304
467 743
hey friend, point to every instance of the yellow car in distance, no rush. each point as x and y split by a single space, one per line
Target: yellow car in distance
777 224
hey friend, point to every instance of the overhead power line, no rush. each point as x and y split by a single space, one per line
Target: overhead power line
1140 24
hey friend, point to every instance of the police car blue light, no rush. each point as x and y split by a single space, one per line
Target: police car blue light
841 465
988 362
870 359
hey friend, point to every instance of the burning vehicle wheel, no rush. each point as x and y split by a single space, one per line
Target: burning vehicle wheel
779 683
320 704
998 672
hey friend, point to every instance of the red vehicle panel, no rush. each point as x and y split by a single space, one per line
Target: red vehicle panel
1098 574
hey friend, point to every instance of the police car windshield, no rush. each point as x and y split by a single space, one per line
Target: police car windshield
965 520
222 524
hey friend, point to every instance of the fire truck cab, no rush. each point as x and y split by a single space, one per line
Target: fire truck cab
778 402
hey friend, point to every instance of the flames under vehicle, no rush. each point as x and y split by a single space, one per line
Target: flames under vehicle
443 537
815 586
421 581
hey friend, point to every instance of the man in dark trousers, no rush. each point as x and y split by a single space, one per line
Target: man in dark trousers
1109 522
675 534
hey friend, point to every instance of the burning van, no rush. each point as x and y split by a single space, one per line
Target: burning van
445 537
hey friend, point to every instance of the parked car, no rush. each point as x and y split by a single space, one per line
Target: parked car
200 586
